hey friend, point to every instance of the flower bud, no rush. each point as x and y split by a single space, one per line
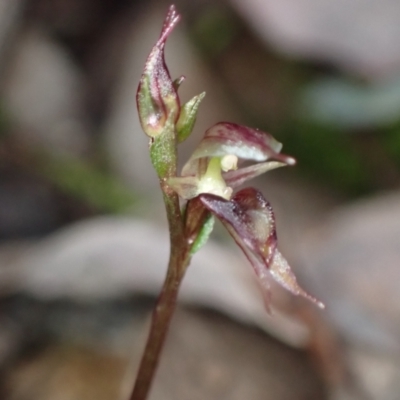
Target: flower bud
157 98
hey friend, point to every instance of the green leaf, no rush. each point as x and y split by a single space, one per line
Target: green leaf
187 117
203 235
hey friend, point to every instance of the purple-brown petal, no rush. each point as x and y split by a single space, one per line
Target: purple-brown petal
246 143
250 220
282 273
237 177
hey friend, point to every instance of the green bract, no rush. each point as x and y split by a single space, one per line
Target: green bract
187 117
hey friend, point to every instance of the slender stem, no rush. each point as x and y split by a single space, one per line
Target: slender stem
166 303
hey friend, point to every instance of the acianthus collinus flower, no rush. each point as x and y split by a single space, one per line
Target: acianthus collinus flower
209 178
213 167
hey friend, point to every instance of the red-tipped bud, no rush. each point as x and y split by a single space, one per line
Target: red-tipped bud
157 98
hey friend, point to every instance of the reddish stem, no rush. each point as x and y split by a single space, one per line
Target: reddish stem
166 303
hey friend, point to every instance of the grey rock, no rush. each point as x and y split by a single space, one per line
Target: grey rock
354 260
10 12
109 258
206 356
356 271
357 35
43 94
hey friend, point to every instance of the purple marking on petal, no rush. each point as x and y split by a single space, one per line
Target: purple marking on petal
282 273
250 220
260 221
238 177
244 142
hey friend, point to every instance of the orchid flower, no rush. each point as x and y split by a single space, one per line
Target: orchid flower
213 167
226 157
209 178
215 170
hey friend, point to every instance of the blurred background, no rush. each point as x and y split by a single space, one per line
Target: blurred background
81 213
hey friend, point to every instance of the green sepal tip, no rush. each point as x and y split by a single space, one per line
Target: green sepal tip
187 117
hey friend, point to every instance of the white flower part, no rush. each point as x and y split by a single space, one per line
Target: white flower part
214 186
229 162
212 181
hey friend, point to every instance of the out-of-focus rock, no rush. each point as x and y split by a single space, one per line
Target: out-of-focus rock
250 373
377 373
206 356
355 268
357 35
114 257
43 93
125 140
350 105
68 373
10 11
